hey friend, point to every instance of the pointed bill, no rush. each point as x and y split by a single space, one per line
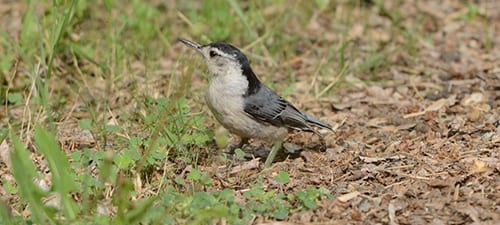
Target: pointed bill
191 44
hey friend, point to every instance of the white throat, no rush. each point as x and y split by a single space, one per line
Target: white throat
228 83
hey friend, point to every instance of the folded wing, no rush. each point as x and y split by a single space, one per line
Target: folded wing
267 106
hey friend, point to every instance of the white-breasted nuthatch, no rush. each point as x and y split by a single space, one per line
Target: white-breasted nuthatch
242 104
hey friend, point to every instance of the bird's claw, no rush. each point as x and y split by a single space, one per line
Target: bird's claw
232 147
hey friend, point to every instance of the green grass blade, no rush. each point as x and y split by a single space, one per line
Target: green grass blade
5 217
372 62
272 154
24 172
62 177
86 53
30 34
57 32
135 215
243 19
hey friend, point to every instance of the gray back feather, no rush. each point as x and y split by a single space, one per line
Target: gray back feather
267 106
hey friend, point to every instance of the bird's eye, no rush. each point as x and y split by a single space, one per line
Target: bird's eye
212 53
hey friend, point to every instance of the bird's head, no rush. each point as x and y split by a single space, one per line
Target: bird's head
221 58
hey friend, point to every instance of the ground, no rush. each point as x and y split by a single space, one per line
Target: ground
412 89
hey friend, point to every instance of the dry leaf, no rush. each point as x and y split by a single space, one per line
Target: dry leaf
473 99
4 153
407 126
376 122
474 114
480 167
348 196
138 183
53 200
341 106
437 105
391 210
252 164
356 31
278 223
378 159
495 138
468 210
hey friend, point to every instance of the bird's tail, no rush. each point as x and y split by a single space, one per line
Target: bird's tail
318 123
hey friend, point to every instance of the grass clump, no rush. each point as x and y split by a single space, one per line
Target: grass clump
106 126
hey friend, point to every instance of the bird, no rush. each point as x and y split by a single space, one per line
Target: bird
244 105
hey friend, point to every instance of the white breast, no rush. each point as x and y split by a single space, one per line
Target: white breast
225 99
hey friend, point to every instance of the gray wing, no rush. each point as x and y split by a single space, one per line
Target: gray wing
267 106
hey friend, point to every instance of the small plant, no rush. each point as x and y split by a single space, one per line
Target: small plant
307 198
240 154
471 13
282 177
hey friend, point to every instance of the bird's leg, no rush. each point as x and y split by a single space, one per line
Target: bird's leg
232 147
323 144
321 140
272 154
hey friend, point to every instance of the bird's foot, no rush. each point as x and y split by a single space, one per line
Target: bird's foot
292 149
232 147
262 151
322 146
